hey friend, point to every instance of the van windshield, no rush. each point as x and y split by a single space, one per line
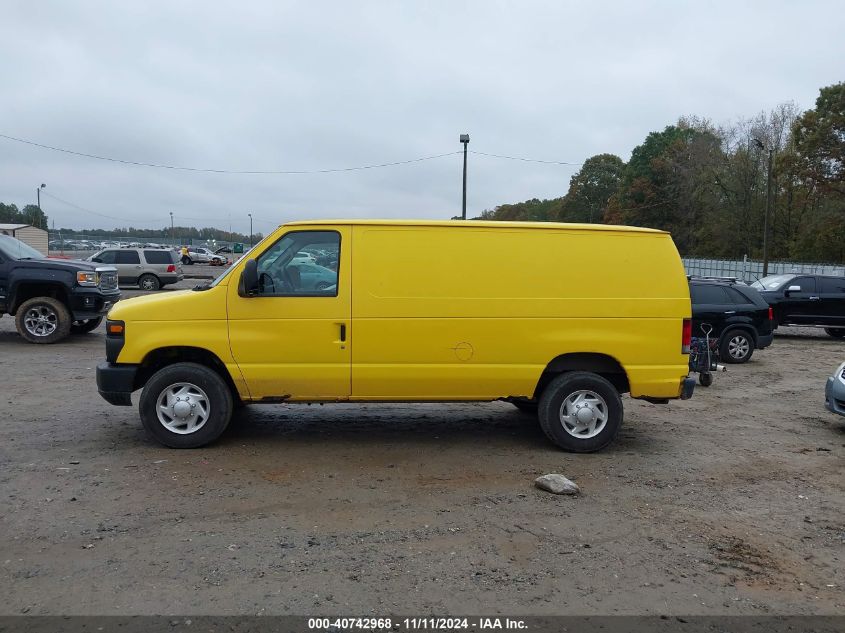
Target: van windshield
15 249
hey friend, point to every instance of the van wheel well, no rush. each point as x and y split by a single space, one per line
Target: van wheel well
162 357
24 292
601 364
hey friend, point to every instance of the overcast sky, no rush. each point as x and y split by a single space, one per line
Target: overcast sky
275 85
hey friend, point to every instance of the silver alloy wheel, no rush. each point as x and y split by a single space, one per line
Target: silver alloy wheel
583 414
183 408
148 283
739 346
41 320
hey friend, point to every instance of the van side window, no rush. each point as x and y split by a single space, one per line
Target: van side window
300 263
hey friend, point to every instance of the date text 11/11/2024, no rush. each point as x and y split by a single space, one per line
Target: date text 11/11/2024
415 624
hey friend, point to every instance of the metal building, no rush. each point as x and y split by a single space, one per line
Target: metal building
28 234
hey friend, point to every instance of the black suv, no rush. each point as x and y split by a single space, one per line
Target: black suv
799 299
50 298
741 319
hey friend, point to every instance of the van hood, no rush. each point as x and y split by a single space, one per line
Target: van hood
179 305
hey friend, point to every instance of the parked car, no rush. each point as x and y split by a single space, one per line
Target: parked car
834 391
199 255
741 319
148 268
565 336
51 298
806 300
314 277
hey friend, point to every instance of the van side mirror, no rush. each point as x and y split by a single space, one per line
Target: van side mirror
793 289
248 286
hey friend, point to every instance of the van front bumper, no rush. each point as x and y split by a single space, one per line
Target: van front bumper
687 387
116 383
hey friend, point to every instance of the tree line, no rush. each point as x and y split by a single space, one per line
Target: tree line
31 214
707 185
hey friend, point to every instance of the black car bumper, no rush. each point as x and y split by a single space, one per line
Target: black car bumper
765 341
116 383
90 303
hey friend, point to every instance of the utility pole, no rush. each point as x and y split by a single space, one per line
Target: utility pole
38 194
172 230
250 229
767 220
465 141
767 216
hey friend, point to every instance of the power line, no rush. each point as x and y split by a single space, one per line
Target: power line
525 160
224 171
102 215
163 220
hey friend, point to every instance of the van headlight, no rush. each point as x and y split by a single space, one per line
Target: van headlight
86 278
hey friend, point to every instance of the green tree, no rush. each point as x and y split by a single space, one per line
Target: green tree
819 137
591 188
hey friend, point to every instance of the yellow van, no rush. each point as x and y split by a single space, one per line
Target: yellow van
558 319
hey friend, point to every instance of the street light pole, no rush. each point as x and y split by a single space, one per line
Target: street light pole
465 141
767 216
38 194
172 230
250 229
767 219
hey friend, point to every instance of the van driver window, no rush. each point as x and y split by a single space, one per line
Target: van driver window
301 263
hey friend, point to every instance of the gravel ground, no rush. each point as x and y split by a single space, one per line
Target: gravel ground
730 503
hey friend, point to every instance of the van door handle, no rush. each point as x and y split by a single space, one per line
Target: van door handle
343 332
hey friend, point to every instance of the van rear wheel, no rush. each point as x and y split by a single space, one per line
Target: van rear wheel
186 405
580 411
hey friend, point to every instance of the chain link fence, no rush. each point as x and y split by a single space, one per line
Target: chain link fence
749 270
82 245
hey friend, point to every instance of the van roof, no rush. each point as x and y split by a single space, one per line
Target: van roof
481 223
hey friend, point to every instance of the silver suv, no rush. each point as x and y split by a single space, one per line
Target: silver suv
148 268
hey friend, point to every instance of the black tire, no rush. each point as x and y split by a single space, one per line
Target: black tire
322 285
566 385
705 379
835 332
736 347
85 325
149 282
218 401
526 406
43 314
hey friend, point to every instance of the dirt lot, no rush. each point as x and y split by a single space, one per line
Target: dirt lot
730 503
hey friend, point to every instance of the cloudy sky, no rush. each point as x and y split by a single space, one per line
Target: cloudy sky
273 85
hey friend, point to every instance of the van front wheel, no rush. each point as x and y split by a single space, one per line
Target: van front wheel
580 412
186 405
